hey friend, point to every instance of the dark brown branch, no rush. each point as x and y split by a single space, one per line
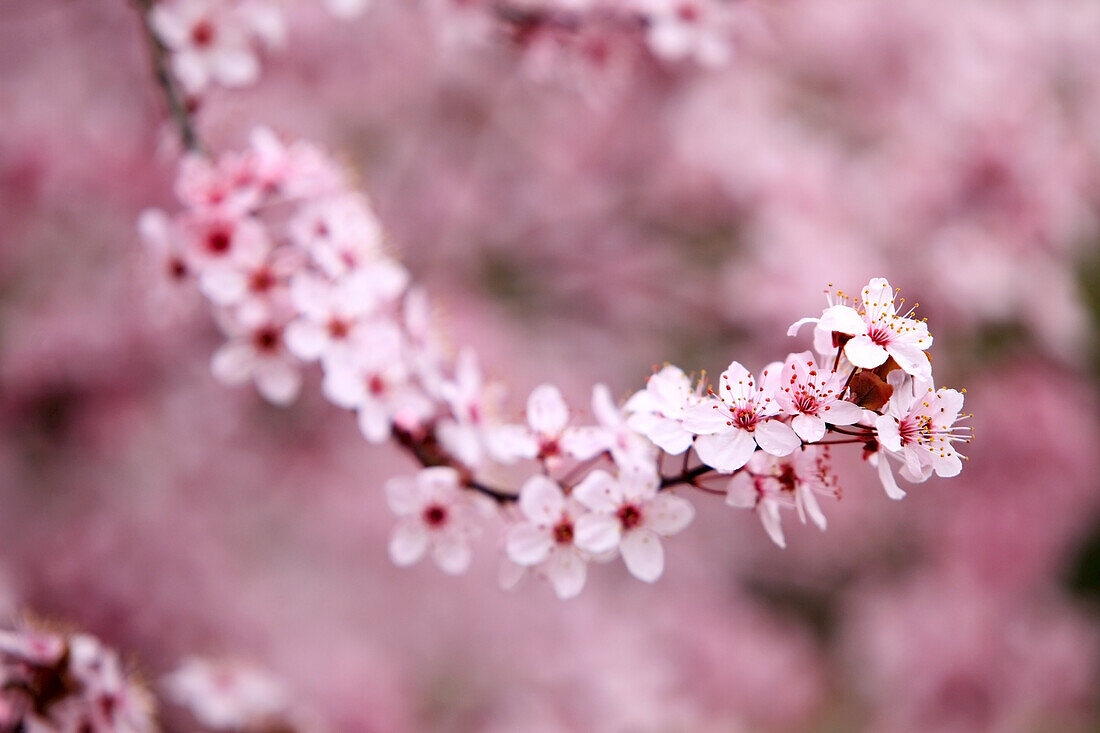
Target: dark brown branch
177 104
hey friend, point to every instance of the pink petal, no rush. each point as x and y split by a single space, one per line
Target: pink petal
776 438
541 500
726 452
597 533
527 544
547 413
408 542
865 353
642 552
668 514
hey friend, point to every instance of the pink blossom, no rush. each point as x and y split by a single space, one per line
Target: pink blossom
657 412
545 539
813 395
437 513
920 425
879 332
226 695
768 484
740 417
209 43
257 351
631 515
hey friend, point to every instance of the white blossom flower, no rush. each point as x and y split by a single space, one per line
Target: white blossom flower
226 695
631 515
474 405
546 436
741 416
813 395
256 350
546 536
375 383
437 513
769 484
209 42
919 425
698 30
657 412
878 332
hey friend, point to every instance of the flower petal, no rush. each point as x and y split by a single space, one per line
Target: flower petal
725 452
567 571
642 552
527 544
547 413
776 438
865 353
541 500
452 554
667 514
597 533
408 542
598 491
810 428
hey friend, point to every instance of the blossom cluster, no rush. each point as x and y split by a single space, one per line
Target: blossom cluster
297 268
218 42
55 682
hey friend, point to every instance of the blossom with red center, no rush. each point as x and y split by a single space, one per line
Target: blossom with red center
630 515
211 42
657 412
545 538
739 417
877 331
436 513
694 30
770 484
919 427
813 396
547 435
256 351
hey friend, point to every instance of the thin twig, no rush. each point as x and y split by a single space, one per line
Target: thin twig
177 104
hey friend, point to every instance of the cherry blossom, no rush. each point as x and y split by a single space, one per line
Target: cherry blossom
737 419
629 514
920 425
436 513
473 404
257 351
547 434
546 538
225 694
657 412
376 384
878 332
813 396
209 41
771 483
697 30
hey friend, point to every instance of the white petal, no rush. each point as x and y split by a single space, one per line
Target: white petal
769 517
527 544
865 353
506 443
278 380
408 542
776 438
603 407
888 435
797 325
643 554
343 385
235 67
886 476
223 285
947 466
726 452
547 413
813 509
667 434
878 299
706 418
585 442
842 412
233 362
374 421
598 491
305 339
402 496
541 500
843 319
566 570
741 492
452 554
597 533
667 514
910 358
809 427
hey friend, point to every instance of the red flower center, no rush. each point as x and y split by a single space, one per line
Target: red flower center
629 516
435 515
202 33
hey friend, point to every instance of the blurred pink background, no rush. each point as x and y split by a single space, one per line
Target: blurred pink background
578 220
